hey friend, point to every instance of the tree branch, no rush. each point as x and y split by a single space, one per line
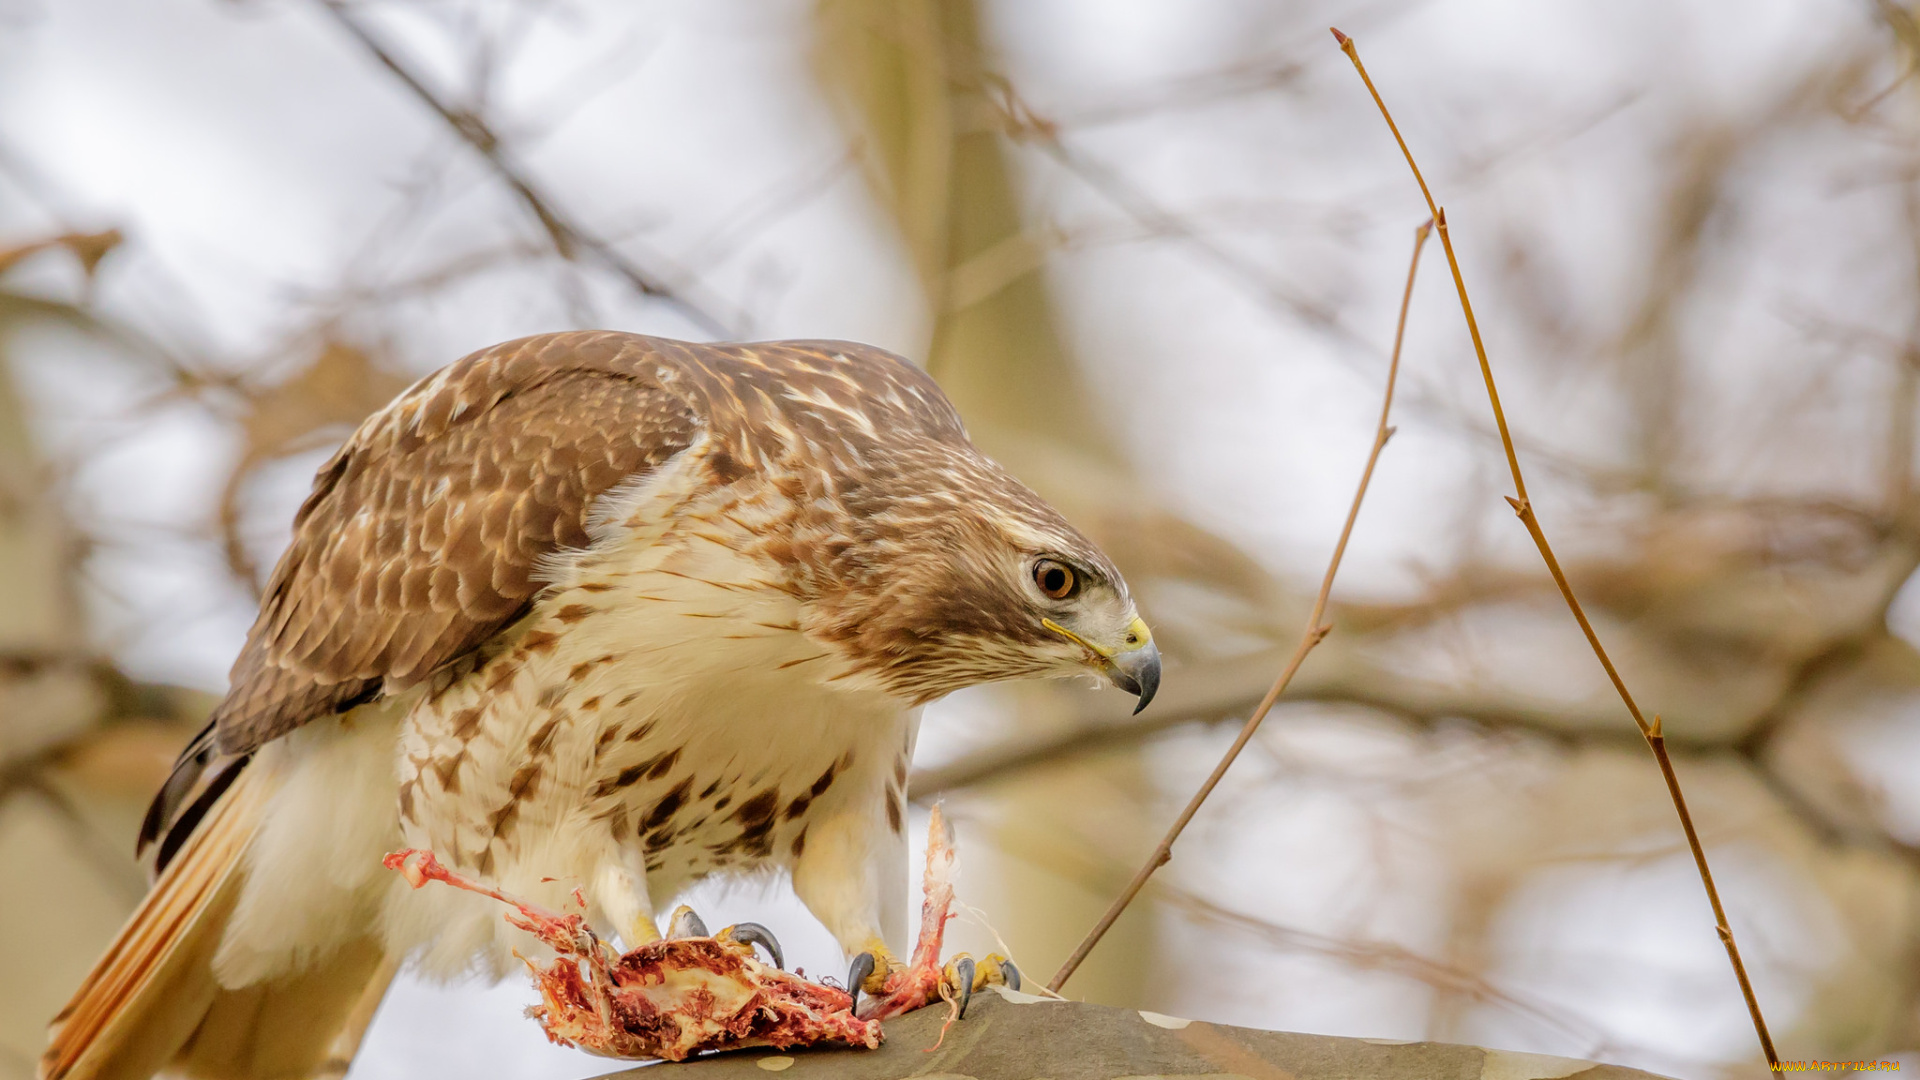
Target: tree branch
1523 507
1316 631
570 240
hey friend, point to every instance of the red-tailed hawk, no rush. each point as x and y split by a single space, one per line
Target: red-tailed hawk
585 610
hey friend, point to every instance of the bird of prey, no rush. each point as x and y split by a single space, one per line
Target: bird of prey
587 611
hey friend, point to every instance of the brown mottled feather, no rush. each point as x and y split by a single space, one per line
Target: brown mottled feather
423 535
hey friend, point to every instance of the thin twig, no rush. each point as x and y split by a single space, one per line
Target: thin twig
1024 125
1523 507
569 239
1316 631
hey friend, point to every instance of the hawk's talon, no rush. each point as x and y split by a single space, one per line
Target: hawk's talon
751 934
961 970
857 974
997 970
686 923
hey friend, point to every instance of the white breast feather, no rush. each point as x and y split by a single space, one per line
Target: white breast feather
695 645
690 642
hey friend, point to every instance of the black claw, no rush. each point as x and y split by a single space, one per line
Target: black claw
687 924
857 974
752 933
1011 973
964 968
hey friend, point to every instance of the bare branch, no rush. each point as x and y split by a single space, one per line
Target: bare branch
570 240
1523 506
1315 632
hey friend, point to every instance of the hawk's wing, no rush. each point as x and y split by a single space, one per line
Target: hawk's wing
421 537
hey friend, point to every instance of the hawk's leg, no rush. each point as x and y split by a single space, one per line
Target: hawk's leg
836 878
840 877
620 888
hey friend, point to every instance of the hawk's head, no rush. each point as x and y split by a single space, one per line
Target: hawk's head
957 574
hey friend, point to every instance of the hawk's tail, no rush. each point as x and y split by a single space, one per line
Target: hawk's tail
152 1001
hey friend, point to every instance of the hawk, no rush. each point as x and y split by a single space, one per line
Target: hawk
587 611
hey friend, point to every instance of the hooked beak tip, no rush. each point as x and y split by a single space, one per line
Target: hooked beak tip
1138 673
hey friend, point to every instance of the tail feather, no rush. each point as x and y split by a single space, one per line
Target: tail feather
302 1027
185 776
146 995
153 1003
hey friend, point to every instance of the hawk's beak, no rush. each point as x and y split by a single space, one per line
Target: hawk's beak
1134 667
1137 671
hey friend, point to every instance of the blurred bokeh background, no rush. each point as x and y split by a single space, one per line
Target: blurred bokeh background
1153 250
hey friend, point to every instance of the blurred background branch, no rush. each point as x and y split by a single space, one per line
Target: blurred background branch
570 241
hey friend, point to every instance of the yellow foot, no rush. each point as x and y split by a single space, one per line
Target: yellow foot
898 989
871 971
962 975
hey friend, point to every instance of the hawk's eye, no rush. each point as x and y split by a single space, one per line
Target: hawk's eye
1054 579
